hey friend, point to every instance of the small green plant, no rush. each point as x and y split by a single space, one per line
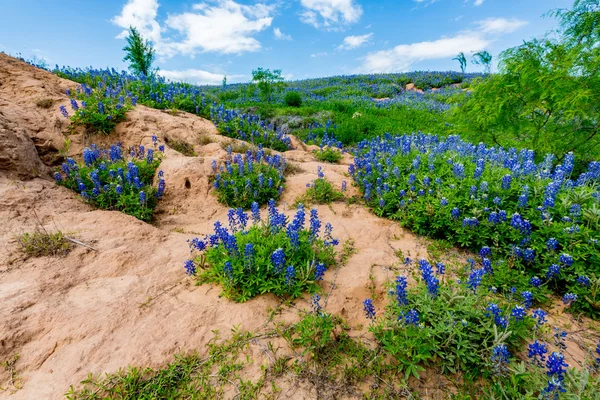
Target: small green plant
110 181
244 180
42 243
14 380
44 103
265 257
328 154
97 112
182 147
292 99
321 191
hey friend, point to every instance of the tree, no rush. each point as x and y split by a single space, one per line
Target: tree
140 53
267 81
225 81
547 94
462 60
484 59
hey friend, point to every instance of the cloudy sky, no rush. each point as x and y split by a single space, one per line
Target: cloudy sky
200 41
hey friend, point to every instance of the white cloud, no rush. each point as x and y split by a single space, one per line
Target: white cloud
315 55
500 25
222 26
478 2
280 35
197 76
352 42
400 58
330 14
140 14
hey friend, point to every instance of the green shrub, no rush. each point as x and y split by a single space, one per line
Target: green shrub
43 243
244 180
277 257
182 147
321 191
292 99
109 181
329 154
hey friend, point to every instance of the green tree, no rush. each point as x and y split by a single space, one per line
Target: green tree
547 94
267 81
484 59
140 53
462 60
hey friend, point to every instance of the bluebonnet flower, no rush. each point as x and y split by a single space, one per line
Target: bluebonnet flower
458 170
228 269
553 271
559 338
154 139
427 274
315 224
149 156
316 306
197 244
500 358
506 181
319 272
455 213
475 279
161 148
540 316
566 259
290 274
535 282
58 177
64 111
101 107
487 266
320 173
161 188
496 312
412 317
536 352
552 244
583 280
518 312
142 198
485 252
529 255
255 212
401 284
278 260
569 298
119 189
407 261
190 267
527 297
249 255
343 186
497 200
441 268
369 309
74 105
443 202
556 371
598 352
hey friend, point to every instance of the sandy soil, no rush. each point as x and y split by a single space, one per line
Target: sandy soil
127 301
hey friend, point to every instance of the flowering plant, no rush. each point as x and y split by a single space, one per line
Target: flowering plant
273 256
110 180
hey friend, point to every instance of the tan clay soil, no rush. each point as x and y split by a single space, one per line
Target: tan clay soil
128 301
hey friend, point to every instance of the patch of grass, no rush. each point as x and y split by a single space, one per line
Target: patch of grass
182 147
42 243
329 154
14 380
321 191
204 140
292 169
238 147
44 103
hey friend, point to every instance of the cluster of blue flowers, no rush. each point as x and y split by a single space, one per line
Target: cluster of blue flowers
477 196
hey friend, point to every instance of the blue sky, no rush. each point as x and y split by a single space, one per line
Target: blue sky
200 41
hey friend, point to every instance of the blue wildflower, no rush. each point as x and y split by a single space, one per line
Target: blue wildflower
190 267
369 309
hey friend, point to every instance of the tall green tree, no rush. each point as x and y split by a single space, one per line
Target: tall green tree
547 94
267 81
484 59
139 52
462 60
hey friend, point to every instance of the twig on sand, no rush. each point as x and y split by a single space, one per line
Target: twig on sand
80 243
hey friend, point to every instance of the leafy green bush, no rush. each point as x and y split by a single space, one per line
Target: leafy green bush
109 181
98 112
451 325
43 243
321 191
543 221
328 154
256 177
267 257
292 99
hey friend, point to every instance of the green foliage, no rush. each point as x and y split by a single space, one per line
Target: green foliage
462 61
120 184
267 82
321 191
292 99
182 147
454 334
265 258
139 52
97 113
42 243
253 178
329 154
484 59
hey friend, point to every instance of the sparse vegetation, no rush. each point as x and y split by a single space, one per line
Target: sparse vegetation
320 191
329 155
42 243
182 147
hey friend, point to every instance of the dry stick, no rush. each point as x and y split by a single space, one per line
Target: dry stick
80 243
